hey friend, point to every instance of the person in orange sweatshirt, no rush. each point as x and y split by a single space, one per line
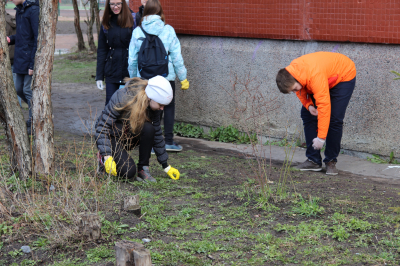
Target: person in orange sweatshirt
324 83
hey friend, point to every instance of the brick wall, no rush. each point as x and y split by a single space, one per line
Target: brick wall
372 21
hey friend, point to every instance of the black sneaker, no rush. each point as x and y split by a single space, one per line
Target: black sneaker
309 165
331 168
144 175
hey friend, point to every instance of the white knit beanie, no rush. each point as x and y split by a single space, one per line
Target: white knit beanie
159 90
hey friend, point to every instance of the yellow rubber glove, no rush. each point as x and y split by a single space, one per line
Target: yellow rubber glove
172 172
185 84
111 166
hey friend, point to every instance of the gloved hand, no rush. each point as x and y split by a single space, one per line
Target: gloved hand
111 166
185 84
318 143
99 84
172 172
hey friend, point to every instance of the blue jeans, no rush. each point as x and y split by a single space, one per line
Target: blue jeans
169 118
22 84
340 96
111 88
14 77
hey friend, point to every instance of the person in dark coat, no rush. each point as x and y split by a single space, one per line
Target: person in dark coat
11 29
131 118
25 41
112 52
139 15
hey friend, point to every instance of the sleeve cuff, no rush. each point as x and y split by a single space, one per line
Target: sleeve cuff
165 166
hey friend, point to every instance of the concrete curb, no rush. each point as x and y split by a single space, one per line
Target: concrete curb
345 162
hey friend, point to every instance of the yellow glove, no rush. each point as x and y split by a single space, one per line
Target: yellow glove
185 84
172 172
111 166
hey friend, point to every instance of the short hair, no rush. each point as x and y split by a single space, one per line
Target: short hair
285 80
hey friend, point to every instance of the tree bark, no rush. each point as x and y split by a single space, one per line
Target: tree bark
90 226
97 15
11 112
43 127
89 22
128 253
77 24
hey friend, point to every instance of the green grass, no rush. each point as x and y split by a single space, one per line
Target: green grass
74 68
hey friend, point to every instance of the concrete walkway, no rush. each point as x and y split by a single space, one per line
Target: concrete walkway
345 162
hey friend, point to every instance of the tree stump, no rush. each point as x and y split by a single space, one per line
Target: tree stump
90 226
130 253
131 204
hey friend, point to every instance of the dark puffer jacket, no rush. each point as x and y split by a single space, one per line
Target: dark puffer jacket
111 124
25 40
112 53
139 16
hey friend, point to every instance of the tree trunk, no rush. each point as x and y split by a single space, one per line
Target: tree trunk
41 86
128 253
13 158
77 24
89 22
132 204
11 113
97 15
90 226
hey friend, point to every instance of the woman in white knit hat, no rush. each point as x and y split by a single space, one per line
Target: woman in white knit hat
130 119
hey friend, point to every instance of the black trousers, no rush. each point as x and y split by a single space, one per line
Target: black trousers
169 118
125 164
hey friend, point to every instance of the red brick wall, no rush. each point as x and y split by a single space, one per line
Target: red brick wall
374 21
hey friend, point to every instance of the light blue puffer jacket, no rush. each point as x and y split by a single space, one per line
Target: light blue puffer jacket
155 26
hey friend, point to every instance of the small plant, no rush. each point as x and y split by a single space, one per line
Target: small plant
41 242
377 159
340 233
308 208
188 130
99 254
5 229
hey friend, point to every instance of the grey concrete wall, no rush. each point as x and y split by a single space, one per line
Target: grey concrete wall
372 119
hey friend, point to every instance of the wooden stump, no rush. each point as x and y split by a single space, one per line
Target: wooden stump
130 253
90 226
132 204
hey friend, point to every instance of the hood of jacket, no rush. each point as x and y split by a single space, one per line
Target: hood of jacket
153 24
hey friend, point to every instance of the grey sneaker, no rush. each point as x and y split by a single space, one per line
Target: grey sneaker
309 165
331 168
144 175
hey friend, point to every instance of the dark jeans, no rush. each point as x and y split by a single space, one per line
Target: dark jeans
125 164
340 96
169 118
23 87
111 88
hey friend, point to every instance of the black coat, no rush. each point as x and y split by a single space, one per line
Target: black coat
139 16
113 52
25 40
112 124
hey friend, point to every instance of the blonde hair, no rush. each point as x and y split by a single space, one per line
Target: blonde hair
136 108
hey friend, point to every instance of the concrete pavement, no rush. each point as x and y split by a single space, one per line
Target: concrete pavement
345 163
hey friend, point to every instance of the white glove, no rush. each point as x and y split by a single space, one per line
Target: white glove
318 143
99 84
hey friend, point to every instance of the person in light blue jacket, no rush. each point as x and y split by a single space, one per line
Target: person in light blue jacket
153 22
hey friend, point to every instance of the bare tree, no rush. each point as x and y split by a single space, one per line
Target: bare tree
77 24
10 112
41 86
95 5
89 22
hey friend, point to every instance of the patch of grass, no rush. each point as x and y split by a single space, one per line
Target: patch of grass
308 208
75 68
101 253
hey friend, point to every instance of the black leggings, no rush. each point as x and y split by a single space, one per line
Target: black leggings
125 164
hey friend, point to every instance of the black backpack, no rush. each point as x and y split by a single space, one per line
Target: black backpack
152 58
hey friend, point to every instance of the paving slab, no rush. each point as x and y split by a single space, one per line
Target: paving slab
275 153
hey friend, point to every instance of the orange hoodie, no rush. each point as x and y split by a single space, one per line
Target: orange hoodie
318 73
